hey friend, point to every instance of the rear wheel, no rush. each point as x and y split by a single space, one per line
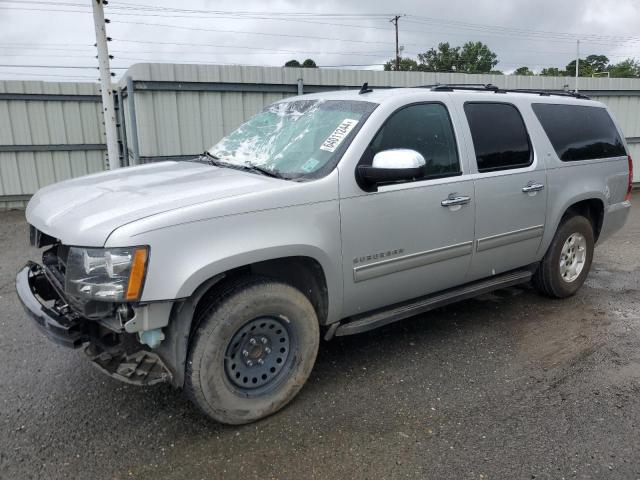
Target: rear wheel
566 264
253 350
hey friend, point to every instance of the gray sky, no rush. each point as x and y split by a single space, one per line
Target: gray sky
522 32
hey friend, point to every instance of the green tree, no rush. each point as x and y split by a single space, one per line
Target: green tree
472 57
496 72
628 68
476 57
588 66
406 65
585 70
551 72
308 63
523 71
598 63
443 59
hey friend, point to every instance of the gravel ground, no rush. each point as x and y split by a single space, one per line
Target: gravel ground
511 385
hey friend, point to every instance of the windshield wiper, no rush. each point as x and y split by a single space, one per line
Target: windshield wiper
214 160
250 167
210 158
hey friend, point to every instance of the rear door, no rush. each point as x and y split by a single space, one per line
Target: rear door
510 189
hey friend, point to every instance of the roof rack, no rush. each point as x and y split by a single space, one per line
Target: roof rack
449 87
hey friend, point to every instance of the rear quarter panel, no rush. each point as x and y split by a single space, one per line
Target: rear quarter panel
574 181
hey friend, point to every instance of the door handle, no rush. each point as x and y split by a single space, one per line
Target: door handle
532 187
453 200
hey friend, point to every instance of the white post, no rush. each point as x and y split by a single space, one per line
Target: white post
577 62
108 107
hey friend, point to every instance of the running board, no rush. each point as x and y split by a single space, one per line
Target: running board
378 318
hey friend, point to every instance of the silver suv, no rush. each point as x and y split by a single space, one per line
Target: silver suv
336 213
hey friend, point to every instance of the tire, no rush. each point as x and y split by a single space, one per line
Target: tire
230 335
554 280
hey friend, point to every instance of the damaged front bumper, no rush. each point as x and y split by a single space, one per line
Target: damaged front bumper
55 321
116 353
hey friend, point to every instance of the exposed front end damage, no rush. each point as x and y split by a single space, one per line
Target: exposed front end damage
112 335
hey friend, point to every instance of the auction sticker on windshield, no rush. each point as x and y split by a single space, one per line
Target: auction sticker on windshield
335 139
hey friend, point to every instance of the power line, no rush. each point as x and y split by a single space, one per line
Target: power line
131 9
49 44
47 55
479 28
138 6
298 16
244 47
517 30
56 66
244 32
117 53
52 3
418 19
31 74
305 52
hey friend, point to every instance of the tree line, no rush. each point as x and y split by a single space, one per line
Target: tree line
308 63
476 57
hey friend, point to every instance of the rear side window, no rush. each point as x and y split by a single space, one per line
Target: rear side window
425 128
500 138
579 132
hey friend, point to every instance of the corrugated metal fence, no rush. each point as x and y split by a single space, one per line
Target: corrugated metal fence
53 131
181 110
48 132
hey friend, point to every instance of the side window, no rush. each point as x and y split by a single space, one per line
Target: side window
579 132
425 128
500 138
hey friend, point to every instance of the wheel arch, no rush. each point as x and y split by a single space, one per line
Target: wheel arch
302 272
591 204
592 209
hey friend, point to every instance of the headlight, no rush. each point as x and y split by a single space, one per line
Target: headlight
109 274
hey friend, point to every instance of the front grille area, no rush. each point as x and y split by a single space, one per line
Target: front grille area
55 263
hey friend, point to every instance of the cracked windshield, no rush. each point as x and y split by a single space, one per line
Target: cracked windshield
293 139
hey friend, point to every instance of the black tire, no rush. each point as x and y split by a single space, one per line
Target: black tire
548 279
225 327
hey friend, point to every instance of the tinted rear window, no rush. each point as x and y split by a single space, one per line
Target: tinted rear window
579 132
499 136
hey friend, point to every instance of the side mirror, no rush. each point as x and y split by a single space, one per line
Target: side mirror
389 166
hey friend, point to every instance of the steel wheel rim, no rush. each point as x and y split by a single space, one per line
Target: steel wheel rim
573 257
257 355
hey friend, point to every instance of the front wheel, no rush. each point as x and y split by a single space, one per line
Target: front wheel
566 264
252 352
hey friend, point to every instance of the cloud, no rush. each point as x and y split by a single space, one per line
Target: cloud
535 34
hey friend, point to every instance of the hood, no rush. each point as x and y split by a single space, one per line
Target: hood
85 210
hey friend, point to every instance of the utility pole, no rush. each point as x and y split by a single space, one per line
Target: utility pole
577 62
108 108
394 20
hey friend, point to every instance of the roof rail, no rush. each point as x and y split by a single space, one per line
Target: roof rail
544 93
449 87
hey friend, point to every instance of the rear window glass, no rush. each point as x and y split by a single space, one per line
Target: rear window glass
499 136
579 132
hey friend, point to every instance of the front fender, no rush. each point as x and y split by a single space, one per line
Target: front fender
183 257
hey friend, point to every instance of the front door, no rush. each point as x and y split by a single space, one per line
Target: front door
510 188
402 241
